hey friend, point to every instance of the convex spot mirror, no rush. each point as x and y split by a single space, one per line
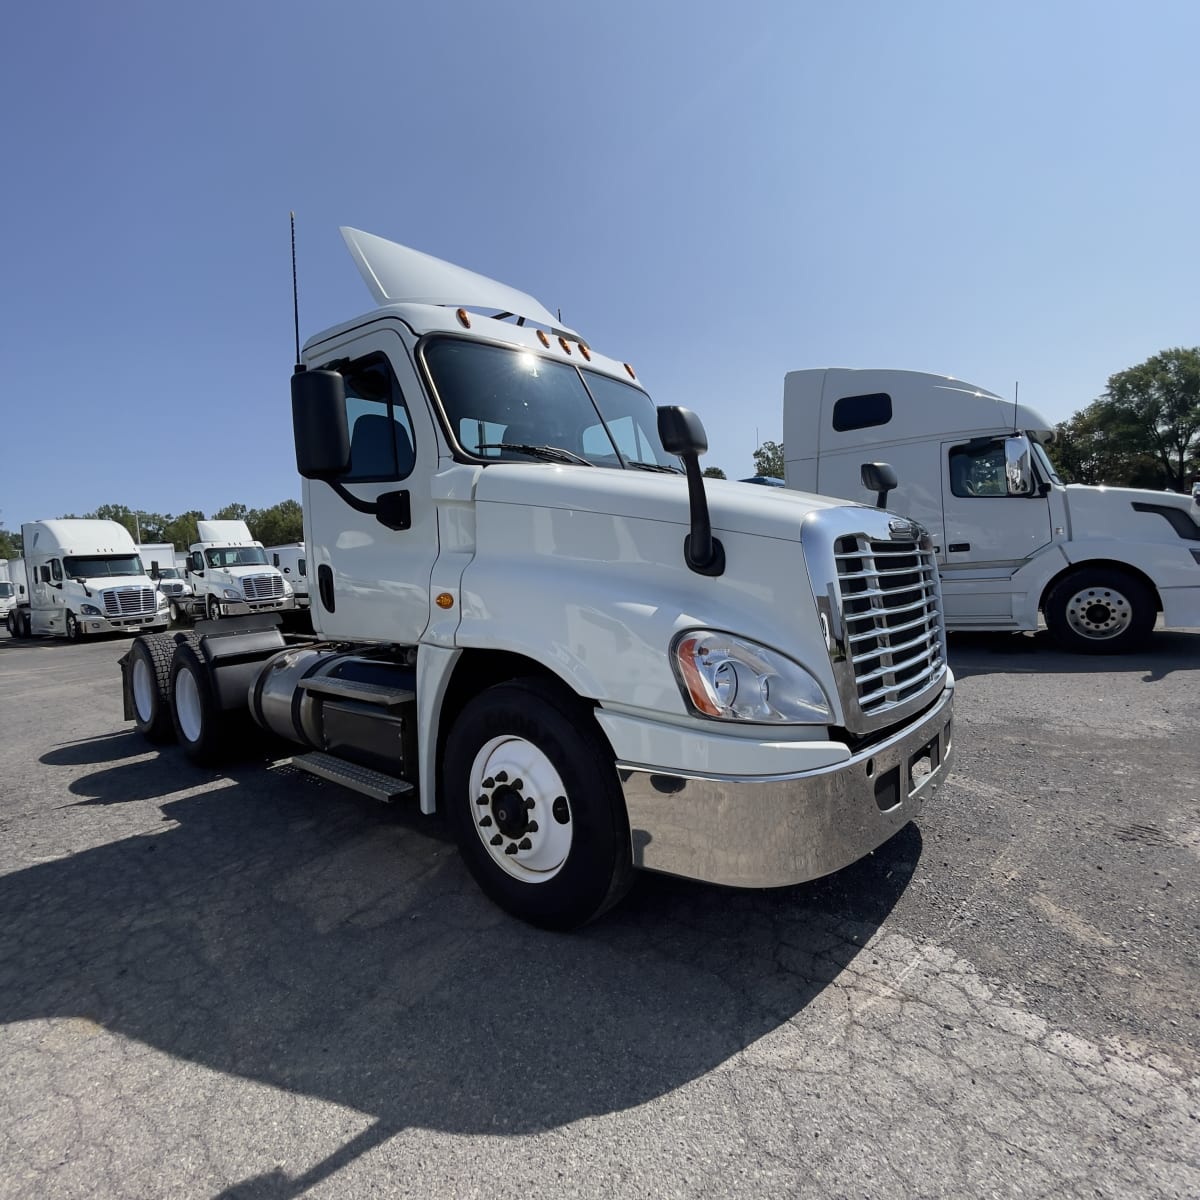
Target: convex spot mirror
319 424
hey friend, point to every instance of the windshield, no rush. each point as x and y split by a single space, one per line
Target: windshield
5 590
98 566
1043 461
516 406
165 573
236 556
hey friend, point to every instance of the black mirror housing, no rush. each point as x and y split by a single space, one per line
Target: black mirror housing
880 478
319 424
681 431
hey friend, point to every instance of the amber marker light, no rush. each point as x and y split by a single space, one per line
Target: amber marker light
630 370
562 341
463 319
697 690
585 352
543 338
444 600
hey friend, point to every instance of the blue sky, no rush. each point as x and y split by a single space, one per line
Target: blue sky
715 193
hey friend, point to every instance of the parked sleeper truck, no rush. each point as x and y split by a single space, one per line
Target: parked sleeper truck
1099 563
84 577
292 563
228 573
532 612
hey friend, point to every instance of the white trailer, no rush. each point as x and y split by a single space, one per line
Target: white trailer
1098 563
533 612
84 577
292 563
229 574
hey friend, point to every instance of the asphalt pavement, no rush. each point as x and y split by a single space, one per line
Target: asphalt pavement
249 983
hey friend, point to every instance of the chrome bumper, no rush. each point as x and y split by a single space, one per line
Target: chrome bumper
779 830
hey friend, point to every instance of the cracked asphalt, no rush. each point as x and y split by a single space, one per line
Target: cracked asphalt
248 983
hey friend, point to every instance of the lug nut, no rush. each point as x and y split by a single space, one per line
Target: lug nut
486 822
525 844
511 848
496 840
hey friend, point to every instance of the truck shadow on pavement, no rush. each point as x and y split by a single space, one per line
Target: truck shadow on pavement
1036 653
282 930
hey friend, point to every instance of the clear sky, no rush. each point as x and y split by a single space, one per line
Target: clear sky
717 193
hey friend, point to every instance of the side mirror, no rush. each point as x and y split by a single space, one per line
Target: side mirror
682 432
879 478
319 424
1018 465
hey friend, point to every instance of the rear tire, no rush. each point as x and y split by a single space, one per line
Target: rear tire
198 720
532 793
1100 610
150 685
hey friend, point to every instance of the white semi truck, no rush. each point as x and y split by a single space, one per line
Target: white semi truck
533 613
228 573
84 577
159 560
291 561
1098 563
8 591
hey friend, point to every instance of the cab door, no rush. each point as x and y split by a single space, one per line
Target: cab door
371 534
988 534
47 613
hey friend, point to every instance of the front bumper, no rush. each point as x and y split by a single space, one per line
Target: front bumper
241 608
771 831
132 624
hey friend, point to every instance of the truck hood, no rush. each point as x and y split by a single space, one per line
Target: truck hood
245 569
1104 512
106 583
734 507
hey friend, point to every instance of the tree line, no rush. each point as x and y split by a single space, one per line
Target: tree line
274 526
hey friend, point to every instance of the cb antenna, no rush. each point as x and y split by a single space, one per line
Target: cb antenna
1016 393
295 296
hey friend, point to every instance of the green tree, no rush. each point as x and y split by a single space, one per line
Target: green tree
714 473
277 525
231 512
181 531
10 544
768 460
1100 445
1158 401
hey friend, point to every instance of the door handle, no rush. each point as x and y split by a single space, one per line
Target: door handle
325 586
956 547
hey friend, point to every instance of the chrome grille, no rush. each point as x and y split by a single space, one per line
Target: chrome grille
129 601
891 611
263 587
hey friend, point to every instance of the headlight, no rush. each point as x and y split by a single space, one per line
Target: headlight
89 610
732 679
162 600
232 594
287 588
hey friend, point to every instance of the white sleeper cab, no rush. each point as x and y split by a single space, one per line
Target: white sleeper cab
1098 563
83 577
533 612
291 562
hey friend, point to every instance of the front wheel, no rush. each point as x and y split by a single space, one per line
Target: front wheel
74 629
212 608
1099 610
173 610
536 807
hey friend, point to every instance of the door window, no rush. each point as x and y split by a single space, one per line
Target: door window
381 440
978 470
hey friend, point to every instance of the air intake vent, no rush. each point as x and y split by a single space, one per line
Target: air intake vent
129 602
263 587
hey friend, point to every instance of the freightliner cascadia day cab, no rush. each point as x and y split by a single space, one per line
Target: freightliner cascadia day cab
532 612
228 572
1099 563
84 577
159 560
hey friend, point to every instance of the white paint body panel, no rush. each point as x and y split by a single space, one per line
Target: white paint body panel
997 555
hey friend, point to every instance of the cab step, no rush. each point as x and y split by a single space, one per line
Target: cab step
375 784
352 689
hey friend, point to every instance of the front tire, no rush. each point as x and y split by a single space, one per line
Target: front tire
1100 610
196 716
212 608
74 629
533 796
173 610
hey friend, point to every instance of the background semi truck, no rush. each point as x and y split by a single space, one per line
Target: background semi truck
8 591
292 563
228 572
84 577
1099 563
159 559
532 613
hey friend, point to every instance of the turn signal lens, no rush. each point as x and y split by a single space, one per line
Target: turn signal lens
444 600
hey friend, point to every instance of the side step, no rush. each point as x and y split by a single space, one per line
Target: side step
351 689
375 784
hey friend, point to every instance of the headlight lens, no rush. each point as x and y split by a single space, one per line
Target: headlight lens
89 610
732 679
162 600
232 594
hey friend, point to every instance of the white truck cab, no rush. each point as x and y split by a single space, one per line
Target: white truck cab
171 580
1012 540
228 572
291 561
532 612
84 577
8 591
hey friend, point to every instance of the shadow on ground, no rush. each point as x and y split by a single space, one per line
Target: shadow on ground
282 930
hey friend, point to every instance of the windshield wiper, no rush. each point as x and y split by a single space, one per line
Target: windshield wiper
551 453
645 466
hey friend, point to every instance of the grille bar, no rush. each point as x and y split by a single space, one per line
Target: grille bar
128 601
262 587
